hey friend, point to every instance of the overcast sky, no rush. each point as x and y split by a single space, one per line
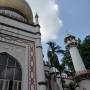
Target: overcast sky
59 17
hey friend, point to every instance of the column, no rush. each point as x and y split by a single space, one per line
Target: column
41 83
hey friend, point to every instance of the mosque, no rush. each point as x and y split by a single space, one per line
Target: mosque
21 58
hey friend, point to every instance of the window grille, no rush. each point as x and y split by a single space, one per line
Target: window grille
10 73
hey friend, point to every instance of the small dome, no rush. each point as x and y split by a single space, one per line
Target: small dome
19 9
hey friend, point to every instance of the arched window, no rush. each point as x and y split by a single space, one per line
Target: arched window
10 72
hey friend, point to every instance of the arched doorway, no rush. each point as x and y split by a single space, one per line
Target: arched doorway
10 73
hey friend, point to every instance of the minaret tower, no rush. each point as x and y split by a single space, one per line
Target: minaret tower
76 58
82 76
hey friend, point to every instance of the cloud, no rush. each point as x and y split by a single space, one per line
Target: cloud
48 11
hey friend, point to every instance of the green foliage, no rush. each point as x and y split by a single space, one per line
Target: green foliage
52 54
84 49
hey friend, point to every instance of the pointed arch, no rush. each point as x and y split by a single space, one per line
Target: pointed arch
10 72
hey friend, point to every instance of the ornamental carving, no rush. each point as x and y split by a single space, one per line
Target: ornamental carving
31 55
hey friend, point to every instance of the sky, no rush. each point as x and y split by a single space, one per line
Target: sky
59 17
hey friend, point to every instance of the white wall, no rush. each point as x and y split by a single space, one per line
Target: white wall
77 60
84 84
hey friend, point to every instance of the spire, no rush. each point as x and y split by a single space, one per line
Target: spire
36 19
36 16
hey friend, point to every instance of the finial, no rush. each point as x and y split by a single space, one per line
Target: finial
36 18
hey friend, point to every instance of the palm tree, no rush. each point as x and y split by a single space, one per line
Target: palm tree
52 54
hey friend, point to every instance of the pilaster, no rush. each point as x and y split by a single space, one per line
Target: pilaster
41 82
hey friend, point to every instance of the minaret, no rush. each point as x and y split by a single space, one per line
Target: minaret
75 55
82 76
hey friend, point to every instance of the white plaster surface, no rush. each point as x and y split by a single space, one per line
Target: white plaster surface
84 85
40 66
77 60
14 46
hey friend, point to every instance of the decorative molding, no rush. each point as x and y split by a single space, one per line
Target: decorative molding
18 20
34 33
32 68
82 75
32 82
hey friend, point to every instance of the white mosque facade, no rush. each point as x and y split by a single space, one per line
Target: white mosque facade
21 65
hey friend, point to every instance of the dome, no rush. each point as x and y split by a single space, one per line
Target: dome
20 8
